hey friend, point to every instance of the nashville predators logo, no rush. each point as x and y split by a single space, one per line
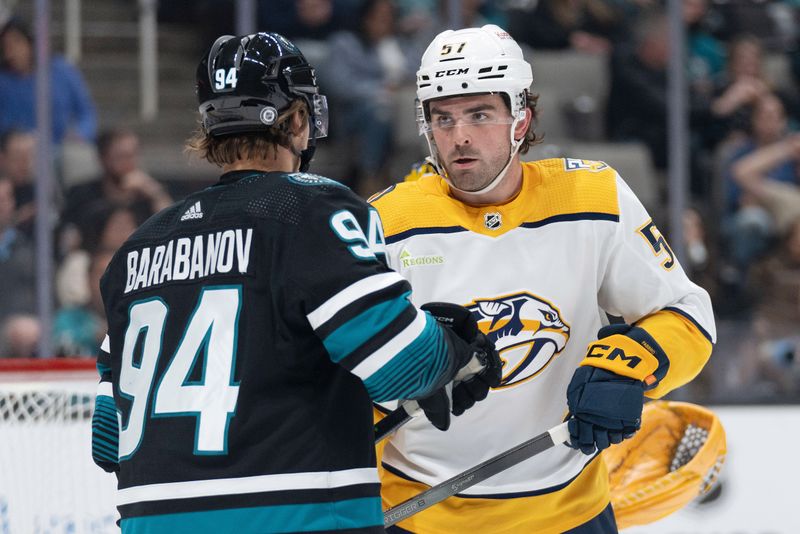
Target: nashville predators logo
527 330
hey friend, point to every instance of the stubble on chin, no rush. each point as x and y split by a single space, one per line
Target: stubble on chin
468 180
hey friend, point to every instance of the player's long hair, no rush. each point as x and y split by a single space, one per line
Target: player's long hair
224 150
530 136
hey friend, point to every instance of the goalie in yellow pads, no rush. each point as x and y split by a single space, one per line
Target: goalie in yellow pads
538 251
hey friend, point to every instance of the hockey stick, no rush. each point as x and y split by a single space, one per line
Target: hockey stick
410 408
479 473
396 419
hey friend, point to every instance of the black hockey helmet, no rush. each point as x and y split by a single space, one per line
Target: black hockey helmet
244 83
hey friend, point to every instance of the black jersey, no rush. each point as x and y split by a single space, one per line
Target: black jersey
249 328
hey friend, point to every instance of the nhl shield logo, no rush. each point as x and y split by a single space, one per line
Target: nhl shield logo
492 221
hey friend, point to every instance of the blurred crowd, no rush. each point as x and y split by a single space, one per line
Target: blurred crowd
742 231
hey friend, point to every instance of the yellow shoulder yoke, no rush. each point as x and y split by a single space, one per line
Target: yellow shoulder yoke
552 190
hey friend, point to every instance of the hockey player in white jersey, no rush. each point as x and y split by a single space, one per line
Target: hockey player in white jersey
540 252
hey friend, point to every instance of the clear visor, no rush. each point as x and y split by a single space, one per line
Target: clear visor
319 117
445 120
475 119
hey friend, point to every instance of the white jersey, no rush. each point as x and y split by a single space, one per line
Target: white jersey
539 273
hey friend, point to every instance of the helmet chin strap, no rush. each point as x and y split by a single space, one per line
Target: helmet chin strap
298 154
305 156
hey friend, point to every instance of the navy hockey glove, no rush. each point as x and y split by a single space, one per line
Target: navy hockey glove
606 393
474 362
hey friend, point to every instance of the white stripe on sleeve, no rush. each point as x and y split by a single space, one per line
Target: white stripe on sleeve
350 294
381 357
105 388
106 345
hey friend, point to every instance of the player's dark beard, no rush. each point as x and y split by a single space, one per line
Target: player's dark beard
462 153
480 177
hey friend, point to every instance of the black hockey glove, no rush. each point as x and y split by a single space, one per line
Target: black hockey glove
474 362
606 394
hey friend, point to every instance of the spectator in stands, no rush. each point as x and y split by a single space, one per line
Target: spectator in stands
364 70
19 336
697 259
744 82
738 89
17 153
302 19
17 280
762 196
111 225
637 102
777 320
422 20
749 16
106 227
79 329
766 167
706 53
122 182
72 108
591 26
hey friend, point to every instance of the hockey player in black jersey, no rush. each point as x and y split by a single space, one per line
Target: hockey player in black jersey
251 325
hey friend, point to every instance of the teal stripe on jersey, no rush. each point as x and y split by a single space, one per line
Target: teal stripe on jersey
105 410
102 454
104 451
106 414
400 378
101 434
364 326
102 369
341 515
105 430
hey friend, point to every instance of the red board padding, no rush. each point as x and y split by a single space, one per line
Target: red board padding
13 365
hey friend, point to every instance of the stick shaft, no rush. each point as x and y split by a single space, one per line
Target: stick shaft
477 474
394 420
409 409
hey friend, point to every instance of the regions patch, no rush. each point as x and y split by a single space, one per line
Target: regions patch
407 259
571 164
527 330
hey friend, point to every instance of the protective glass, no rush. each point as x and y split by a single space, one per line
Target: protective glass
477 119
319 116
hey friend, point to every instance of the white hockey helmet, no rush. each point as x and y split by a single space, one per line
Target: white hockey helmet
473 61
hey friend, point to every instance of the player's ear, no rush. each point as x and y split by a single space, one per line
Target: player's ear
299 122
523 124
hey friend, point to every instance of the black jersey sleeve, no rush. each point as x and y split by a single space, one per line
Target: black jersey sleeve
105 429
358 307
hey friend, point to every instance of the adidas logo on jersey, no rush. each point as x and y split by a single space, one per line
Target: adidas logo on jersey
194 212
